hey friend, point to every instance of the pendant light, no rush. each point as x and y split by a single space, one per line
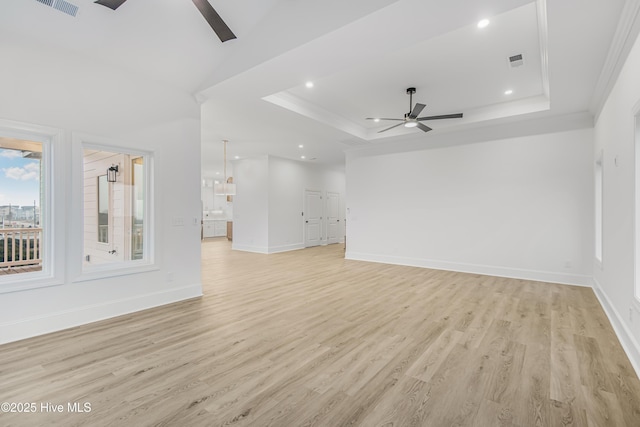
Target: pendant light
225 189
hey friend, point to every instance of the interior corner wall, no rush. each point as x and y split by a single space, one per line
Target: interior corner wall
288 180
614 137
73 95
251 205
267 209
517 207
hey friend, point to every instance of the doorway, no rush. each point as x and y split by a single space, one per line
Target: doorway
321 218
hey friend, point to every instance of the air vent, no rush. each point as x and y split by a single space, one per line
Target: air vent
516 61
61 5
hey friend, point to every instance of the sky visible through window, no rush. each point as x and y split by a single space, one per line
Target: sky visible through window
19 179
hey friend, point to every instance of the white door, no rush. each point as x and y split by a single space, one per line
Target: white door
312 218
333 217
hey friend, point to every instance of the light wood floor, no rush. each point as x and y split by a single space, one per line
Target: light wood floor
307 338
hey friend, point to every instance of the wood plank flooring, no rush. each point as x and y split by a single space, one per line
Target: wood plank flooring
307 338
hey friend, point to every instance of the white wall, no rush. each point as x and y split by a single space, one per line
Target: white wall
251 205
72 96
288 181
267 217
516 207
614 136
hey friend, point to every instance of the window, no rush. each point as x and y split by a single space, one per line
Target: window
22 197
599 186
116 197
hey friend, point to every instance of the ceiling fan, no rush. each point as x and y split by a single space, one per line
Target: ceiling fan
411 119
205 8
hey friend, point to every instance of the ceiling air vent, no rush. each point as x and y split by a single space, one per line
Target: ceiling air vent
516 61
61 5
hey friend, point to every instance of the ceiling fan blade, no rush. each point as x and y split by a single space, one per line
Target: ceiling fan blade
111 4
423 128
444 116
417 109
382 118
394 126
214 20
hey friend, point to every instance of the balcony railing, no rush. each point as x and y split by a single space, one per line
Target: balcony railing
20 247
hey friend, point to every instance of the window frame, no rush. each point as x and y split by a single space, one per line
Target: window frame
53 200
636 205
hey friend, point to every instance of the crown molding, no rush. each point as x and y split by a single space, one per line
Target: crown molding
543 36
626 33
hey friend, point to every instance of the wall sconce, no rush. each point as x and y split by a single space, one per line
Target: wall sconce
112 173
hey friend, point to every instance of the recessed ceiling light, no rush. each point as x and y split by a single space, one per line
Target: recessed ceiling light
300 146
376 120
236 157
302 157
309 84
508 92
483 23
217 173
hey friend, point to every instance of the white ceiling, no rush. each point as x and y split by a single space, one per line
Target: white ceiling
474 60
360 54
166 40
363 68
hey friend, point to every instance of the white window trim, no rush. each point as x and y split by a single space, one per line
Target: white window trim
77 272
53 225
636 205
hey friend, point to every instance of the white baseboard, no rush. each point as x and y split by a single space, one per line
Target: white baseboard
489 270
285 248
620 327
52 322
247 248
269 249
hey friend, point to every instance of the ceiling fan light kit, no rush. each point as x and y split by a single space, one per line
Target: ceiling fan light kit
411 119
